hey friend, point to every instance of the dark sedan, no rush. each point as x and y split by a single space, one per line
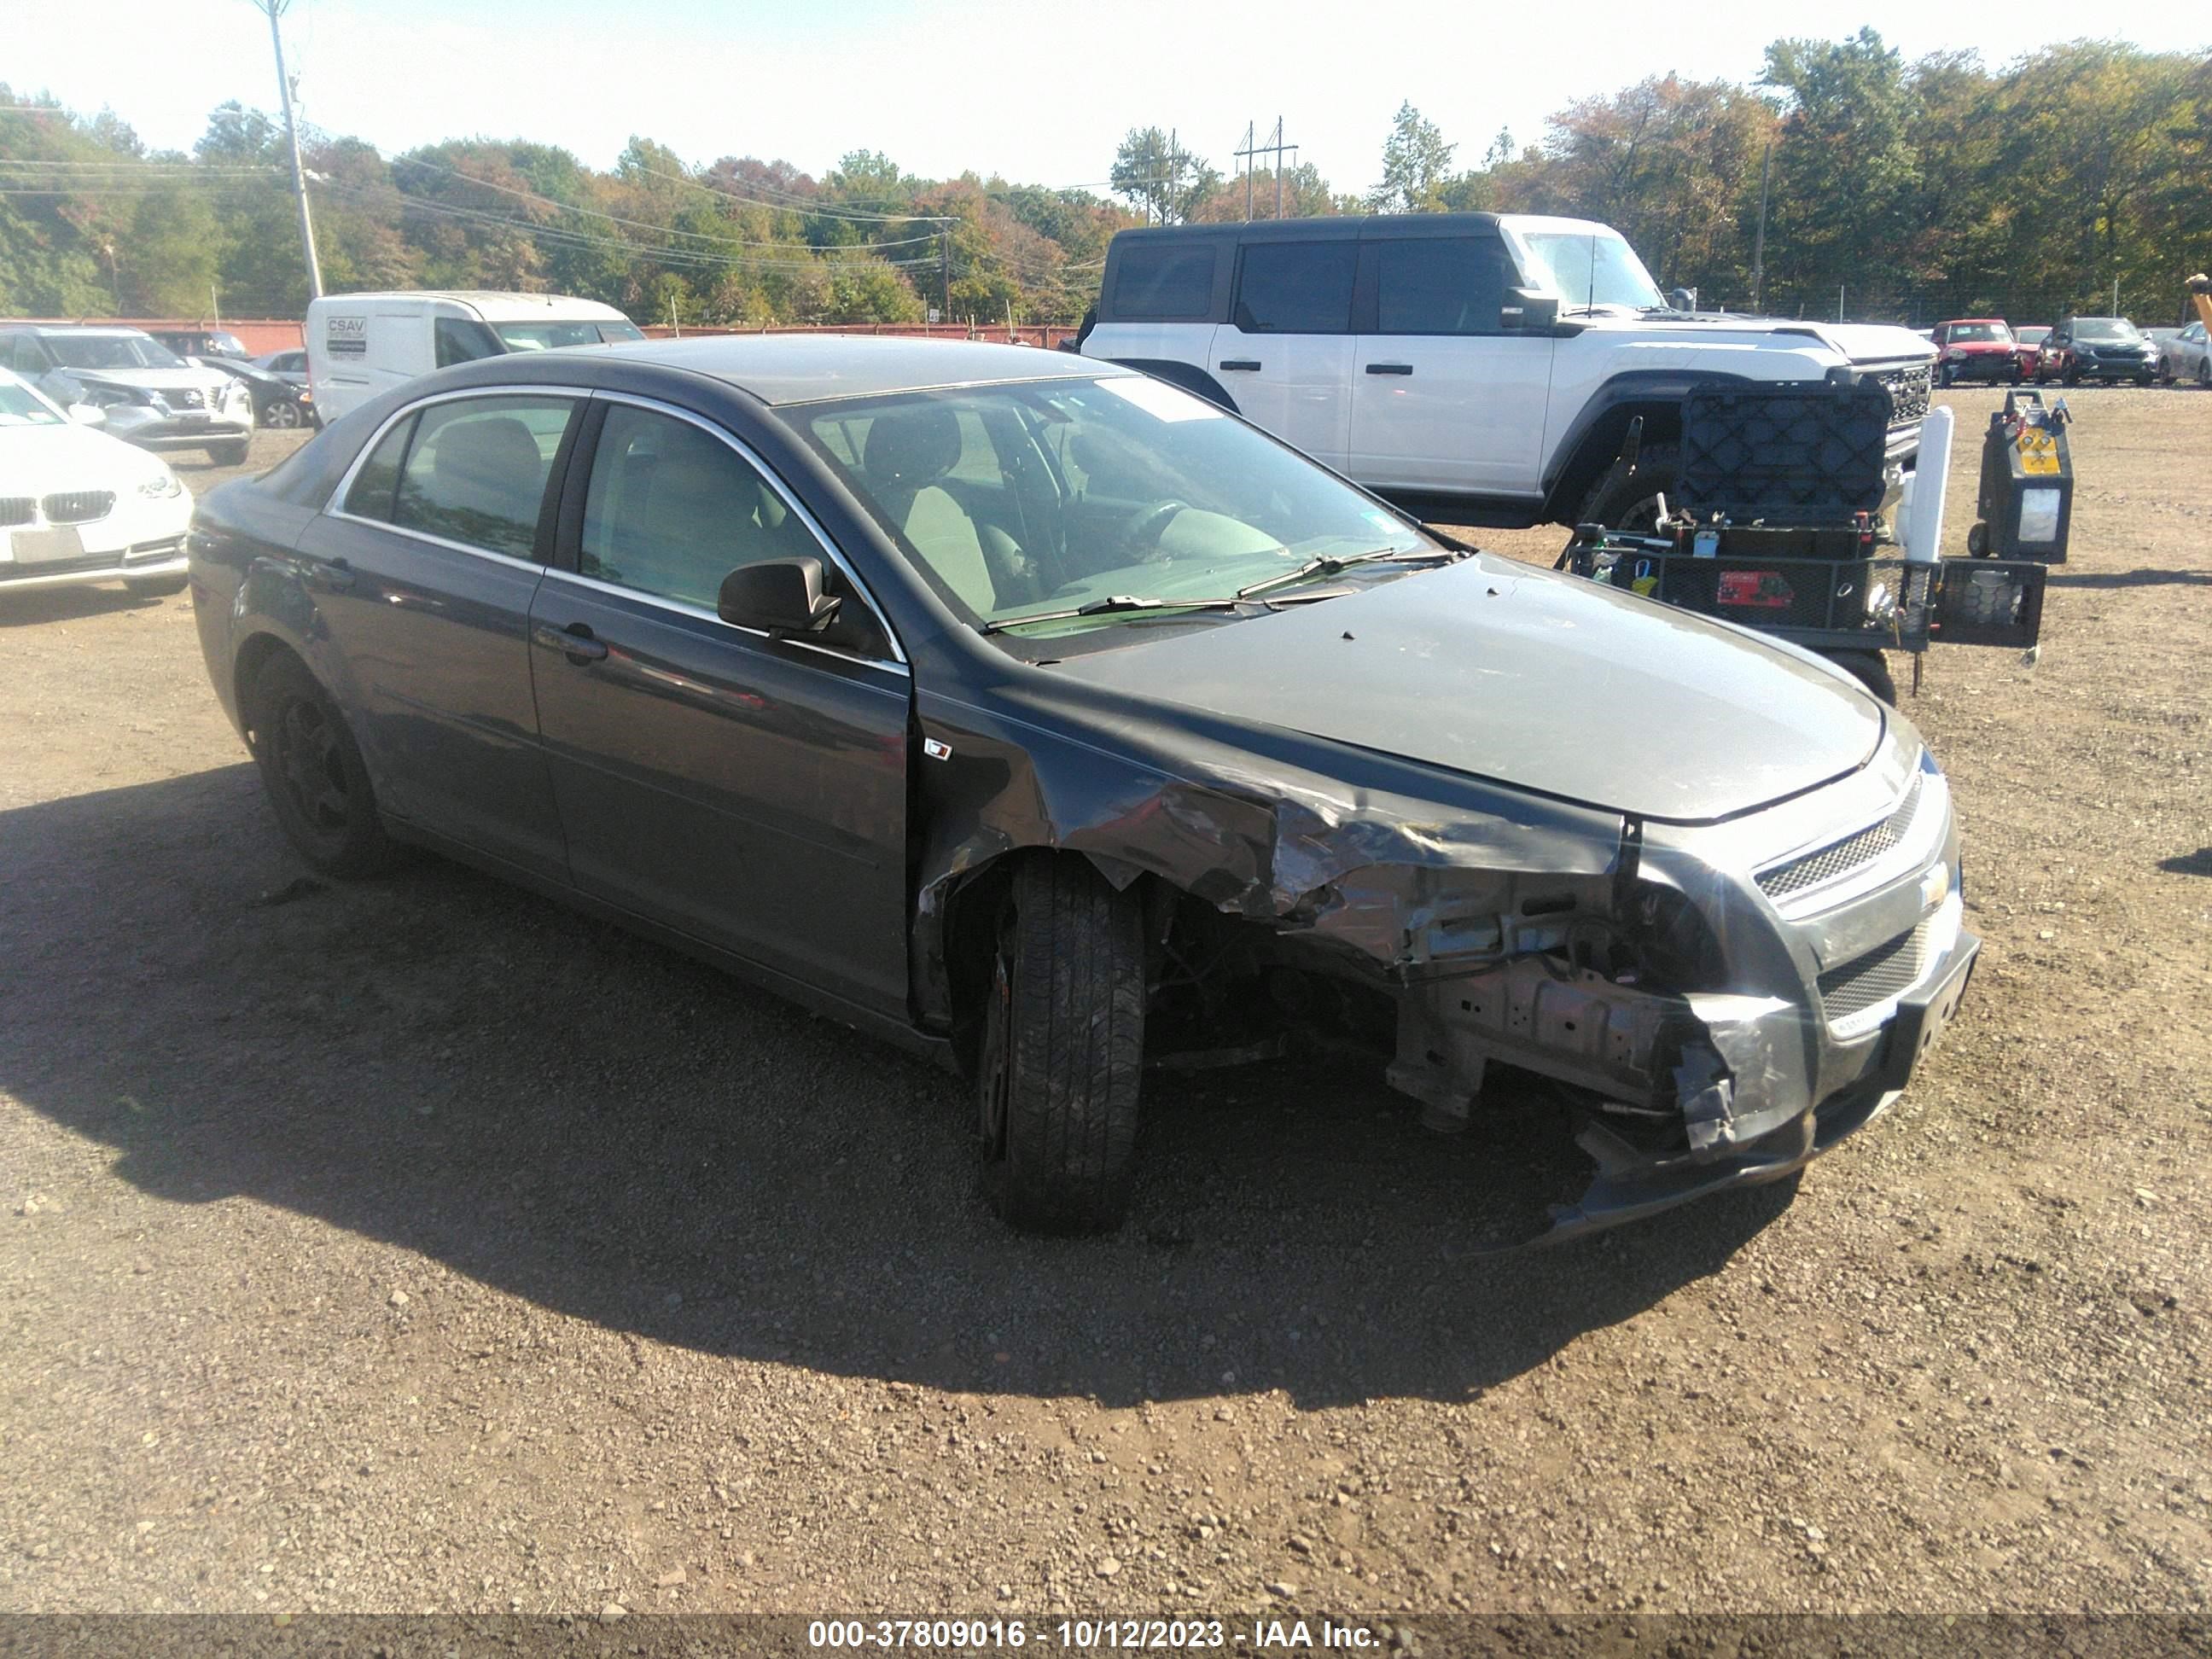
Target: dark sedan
1037 716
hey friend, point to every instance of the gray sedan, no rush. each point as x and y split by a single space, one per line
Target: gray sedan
1035 715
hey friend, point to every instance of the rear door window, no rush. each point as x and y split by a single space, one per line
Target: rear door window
477 470
378 481
1440 285
1296 287
1165 280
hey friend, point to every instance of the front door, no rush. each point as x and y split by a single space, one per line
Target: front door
422 578
749 791
1285 353
1442 397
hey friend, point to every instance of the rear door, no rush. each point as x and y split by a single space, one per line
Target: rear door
1285 353
746 791
1442 397
422 577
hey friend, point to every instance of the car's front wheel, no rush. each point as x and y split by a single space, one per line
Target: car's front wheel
1063 1050
286 414
314 773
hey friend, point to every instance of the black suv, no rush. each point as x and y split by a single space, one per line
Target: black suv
2097 349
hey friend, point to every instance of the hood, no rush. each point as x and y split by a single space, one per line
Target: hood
1549 683
1861 342
1983 348
154 380
37 460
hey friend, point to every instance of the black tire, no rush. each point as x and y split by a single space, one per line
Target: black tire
1063 1051
2073 375
229 454
2143 379
313 774
1870 668
1626 498
1943 376
155 588
283 414
2204 371
1978 539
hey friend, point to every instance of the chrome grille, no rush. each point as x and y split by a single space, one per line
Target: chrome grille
17 509
1886 971
1908 393
78 506
1840 858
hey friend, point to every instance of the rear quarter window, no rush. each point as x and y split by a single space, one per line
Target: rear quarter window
1165 281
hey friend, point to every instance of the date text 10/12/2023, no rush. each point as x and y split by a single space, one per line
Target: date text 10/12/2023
1088 1635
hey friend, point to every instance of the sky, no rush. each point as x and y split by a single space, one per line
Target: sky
1038 95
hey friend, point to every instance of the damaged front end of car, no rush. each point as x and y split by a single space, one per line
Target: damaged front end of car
1450 927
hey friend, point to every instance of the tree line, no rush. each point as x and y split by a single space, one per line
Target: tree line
1894 190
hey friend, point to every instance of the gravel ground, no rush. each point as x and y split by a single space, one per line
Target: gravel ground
417 1246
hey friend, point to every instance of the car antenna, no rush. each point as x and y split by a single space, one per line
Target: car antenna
1590 305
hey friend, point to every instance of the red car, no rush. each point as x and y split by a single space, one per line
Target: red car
1978 349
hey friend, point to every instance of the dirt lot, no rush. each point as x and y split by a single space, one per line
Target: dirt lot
419 1246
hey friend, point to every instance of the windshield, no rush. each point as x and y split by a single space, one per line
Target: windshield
1123 493
544 337
1592 269
2034 335
111 352
2105 328
20 406
1962 332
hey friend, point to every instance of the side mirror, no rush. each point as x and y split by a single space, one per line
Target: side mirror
1526 310
1683 299
778 596
88 414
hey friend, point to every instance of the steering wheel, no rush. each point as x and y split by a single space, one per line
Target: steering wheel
1145 534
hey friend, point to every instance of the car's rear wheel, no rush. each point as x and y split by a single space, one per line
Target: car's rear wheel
1063 1050
1870 668
2204 371
1628 497
154 587
285 414
314 773
229 454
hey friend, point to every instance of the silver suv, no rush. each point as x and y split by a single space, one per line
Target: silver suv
146 393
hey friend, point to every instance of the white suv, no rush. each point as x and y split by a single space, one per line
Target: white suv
1488 366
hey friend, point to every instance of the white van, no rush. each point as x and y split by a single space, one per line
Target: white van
362 344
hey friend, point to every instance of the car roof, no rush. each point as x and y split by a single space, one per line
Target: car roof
495 305
798 368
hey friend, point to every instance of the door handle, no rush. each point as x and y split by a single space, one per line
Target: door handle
1240 362
575 642
1390 369
336 574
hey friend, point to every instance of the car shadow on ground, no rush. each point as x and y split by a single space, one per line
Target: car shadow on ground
61 604
2198 863
617 1133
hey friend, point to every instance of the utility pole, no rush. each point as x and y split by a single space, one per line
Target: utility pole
1253 151
1758 237
274 8
944 269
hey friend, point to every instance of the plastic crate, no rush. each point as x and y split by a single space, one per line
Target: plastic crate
1800 454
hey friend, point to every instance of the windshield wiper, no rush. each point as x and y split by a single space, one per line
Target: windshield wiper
1112 605
1328 565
